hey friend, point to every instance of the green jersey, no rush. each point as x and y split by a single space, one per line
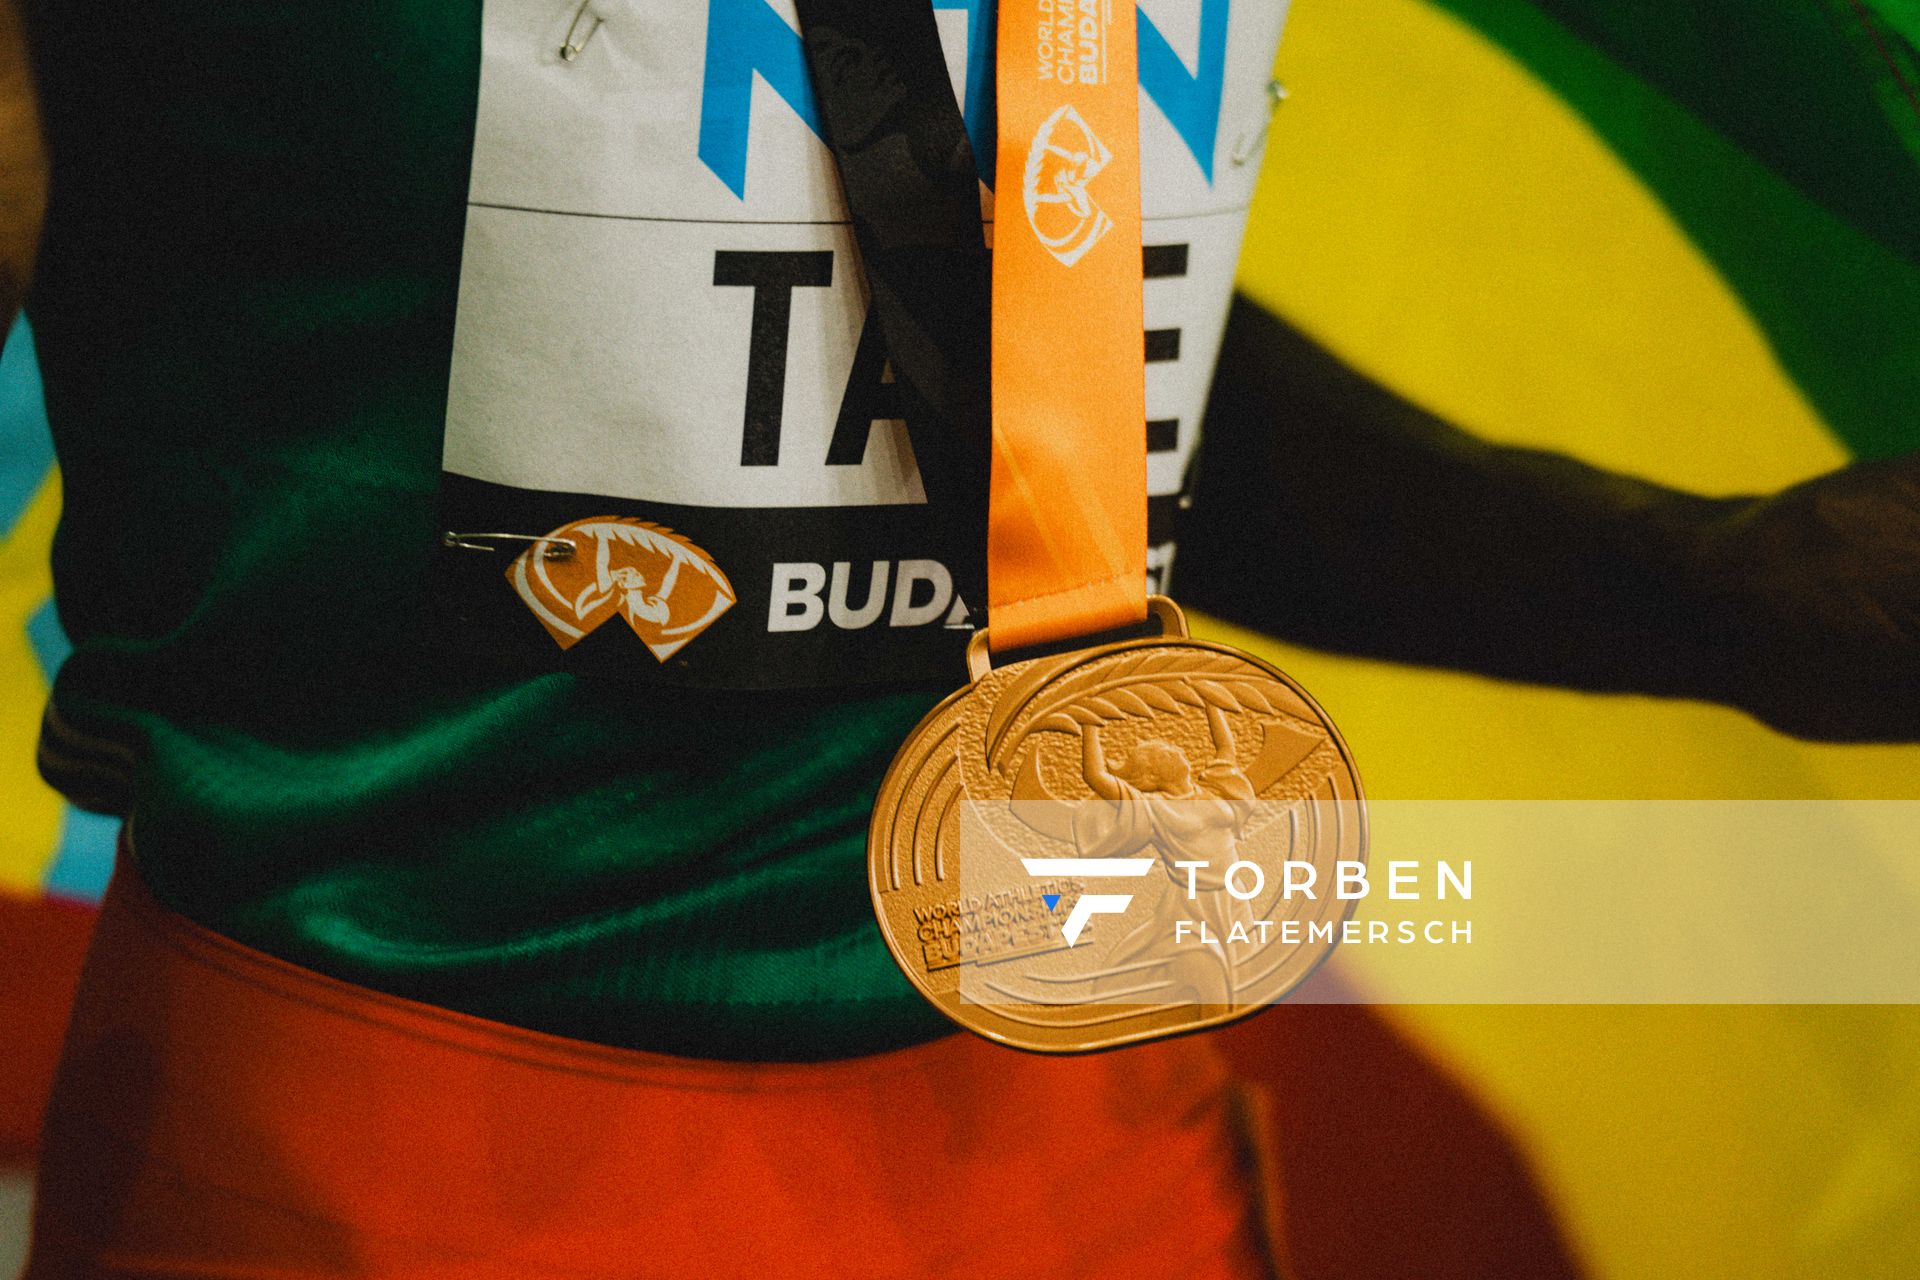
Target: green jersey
279 233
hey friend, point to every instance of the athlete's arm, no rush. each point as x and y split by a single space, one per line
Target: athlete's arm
666 583
1222 734
1333 513
23 165
1093 765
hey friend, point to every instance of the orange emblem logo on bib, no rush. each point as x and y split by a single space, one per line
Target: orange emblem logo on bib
666 588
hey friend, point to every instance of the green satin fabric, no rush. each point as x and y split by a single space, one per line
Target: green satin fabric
245 312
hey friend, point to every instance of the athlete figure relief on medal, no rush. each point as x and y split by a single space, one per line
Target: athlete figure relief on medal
1153 802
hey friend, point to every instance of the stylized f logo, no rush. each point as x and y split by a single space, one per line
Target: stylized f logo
1064 158
1090 905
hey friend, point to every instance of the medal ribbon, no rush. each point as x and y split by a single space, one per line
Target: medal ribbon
1067 519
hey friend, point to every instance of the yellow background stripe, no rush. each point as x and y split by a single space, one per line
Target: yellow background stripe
1441 220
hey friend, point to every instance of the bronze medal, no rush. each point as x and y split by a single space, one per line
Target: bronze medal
1059 853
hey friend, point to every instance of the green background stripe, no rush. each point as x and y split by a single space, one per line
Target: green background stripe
1760 130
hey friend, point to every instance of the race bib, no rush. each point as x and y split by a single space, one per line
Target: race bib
673 445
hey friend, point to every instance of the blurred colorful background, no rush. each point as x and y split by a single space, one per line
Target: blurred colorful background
1679 238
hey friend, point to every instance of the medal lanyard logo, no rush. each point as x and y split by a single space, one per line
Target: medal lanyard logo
1067 517
1063 161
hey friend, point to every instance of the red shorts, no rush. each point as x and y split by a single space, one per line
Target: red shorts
219 1112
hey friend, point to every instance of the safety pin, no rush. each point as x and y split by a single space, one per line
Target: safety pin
1243 149
573 48
557 548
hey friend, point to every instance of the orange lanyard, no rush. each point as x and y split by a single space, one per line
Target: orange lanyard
1067 517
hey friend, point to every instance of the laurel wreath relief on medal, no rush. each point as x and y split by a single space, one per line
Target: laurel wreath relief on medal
1148 684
